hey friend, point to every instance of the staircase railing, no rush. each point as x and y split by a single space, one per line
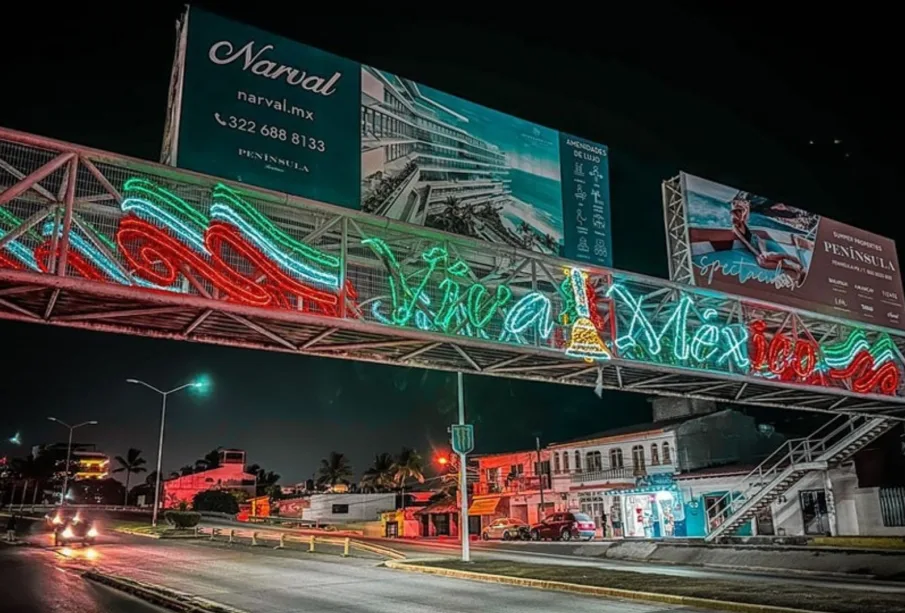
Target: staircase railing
790 453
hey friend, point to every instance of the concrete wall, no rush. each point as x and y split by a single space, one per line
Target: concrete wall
726 437
361 507
670 408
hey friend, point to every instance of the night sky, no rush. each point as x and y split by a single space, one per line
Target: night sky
754 101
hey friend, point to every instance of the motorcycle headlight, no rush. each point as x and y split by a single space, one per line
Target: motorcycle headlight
57 520
67 533
92 533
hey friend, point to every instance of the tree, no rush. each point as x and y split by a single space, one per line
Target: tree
334 469
132 463
216 501
380 476
211 459
98 491
186 470
265 479
408 466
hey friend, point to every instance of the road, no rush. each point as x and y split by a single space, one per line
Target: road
560 554
268 581
31 581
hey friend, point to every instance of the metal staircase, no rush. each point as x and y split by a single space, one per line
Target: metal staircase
830 445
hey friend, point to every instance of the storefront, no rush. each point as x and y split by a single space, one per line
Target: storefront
653 509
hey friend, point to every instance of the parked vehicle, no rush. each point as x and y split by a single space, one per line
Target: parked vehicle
505 528
564 527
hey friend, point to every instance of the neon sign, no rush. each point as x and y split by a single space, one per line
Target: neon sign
678 335
232 251
869 368
439 296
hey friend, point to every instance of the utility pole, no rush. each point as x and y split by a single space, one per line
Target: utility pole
463 479
540 478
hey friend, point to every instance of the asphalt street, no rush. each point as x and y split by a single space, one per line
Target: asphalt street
267 581
32 581
559 553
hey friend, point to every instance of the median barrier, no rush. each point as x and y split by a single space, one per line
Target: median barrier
281 540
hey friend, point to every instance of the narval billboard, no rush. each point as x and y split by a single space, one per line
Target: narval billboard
749 245
261 109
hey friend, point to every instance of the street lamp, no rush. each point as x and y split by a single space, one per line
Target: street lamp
201 384
69 451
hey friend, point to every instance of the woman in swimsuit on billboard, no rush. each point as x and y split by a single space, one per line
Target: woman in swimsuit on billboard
741 211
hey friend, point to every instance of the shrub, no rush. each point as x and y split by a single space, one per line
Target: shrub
216 501
182 519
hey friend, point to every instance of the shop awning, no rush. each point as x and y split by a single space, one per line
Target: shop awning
484 506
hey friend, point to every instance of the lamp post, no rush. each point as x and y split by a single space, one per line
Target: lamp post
199 384
68 452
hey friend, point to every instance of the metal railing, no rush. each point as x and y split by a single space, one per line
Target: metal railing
280 540
823 445
605 474
96 224
518 485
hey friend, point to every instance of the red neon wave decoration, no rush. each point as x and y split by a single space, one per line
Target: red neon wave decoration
44 254
865 377
220 234
158 257
10 262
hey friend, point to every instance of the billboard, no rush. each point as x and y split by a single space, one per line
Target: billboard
260 109
749 245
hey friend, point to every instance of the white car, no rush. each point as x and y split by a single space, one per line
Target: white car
505 528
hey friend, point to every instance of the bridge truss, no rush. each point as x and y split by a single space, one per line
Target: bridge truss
98 241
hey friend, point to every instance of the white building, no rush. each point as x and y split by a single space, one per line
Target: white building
343 508
691 476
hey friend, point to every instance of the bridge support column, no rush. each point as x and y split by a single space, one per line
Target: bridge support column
830 503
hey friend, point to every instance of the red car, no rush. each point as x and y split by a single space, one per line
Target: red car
564 527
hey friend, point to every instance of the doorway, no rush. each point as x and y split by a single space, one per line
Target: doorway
814 514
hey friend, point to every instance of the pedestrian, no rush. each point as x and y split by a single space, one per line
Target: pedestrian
11 528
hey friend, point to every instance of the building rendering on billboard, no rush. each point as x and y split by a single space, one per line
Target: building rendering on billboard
752 246
257 108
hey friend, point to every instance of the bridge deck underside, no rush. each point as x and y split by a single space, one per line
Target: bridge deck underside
77 303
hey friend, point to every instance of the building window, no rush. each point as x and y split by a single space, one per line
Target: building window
892 506
593 461
565 461
577 461
666 454
638 458
616 458
556 463
340 509
654 455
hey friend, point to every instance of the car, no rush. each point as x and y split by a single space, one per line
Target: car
564 527
505 528
75 529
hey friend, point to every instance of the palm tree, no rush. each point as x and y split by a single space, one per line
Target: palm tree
334 469
408 465
381 474
210 460
132 463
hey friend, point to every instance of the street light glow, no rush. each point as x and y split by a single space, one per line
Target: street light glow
202 384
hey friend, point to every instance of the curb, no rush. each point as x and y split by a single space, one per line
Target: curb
141 534
590 590
161 596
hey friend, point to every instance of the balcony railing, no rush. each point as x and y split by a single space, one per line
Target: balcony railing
607 474
520 485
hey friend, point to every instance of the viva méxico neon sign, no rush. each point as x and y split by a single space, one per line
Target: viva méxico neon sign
232 251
